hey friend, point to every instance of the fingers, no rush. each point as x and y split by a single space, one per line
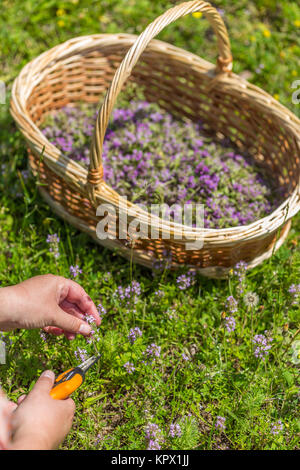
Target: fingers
75 294
11 406
72 309
69 336
53 330
45 382
71 324
71 404
21 398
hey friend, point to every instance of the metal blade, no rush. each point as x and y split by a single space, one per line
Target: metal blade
88 363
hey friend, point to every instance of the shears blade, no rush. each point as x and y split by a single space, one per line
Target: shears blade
89 363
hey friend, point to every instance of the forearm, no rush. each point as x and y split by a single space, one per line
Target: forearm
10 305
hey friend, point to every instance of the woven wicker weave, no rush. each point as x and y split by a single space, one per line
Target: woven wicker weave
82 69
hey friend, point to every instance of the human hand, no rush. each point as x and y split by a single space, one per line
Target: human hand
51 302
40 422
6 409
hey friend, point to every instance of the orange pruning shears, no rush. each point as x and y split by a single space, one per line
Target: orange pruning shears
67 382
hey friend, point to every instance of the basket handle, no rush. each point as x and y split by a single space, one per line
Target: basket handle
224 64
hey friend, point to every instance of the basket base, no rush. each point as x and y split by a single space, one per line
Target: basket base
214 272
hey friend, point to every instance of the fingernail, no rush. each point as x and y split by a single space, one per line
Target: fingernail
84 329
48 374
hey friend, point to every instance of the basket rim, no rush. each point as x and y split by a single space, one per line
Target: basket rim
32 74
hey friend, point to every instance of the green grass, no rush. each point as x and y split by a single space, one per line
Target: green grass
222 377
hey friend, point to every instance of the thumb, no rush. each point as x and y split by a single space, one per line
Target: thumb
68 322
45 382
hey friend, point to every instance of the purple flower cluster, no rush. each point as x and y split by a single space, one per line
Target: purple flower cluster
153 445
134 333
231 304
163 263
152 351
175 430
294 290
101 310
152 431
240 271
153 435
43 335
129 367
93 335
131 292
171 312
276 428
185 280
53 240
262 346
90 319
81 354
150 156
230 324
75 270
220 423
159 293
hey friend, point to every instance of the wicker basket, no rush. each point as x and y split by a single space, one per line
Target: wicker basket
81 69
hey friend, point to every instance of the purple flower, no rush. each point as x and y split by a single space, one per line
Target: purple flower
240 271
185 280
90 319
276 428
75 270
43 336
220 423
25 174
133 334
101 310
175 430
159 293
153 445
53 240
129 367
294 290
231 304
229 324
164 263
81 354
153 351
156 117
263 346
152 431
131 292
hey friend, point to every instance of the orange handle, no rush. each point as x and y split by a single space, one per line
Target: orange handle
62 375
64 389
